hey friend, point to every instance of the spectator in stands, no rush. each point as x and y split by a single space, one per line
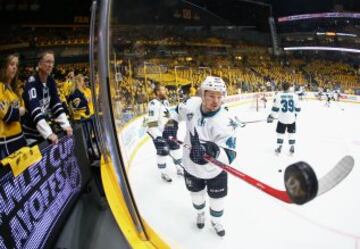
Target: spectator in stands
69 82
43 104
78 101
60 84
82 111
11 134
193 91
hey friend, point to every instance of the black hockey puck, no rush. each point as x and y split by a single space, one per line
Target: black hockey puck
280 170
300 182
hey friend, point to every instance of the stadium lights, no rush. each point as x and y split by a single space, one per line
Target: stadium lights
319 15
346 34
335 34
349 50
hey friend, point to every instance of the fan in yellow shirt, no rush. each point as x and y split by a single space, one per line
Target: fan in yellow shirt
11 134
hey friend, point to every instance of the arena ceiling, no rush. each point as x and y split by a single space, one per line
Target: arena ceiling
236 12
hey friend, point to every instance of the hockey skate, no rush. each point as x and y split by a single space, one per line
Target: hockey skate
200 220
219 229
278 150
165 177
292 150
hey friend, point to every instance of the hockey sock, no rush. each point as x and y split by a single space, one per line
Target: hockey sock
161 163
216 209
216 213
291 138
198 200
177 155
280 139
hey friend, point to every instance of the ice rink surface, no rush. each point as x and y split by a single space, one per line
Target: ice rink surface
253 219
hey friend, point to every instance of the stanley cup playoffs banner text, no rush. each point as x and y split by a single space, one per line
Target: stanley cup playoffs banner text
32 203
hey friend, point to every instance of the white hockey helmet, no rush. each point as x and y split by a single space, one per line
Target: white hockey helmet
212 83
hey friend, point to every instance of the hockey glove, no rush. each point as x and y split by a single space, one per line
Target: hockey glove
270 119
161 145
170 129
198 150
170 132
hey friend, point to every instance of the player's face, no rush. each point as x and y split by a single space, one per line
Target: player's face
12 68
212 101
46 64
162 92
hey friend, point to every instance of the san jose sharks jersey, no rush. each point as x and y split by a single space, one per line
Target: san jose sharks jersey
42 103
158 116
286 106
218 127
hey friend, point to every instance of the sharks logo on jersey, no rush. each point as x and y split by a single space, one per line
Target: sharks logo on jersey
166 113
189 116
233 123
201 121
231 142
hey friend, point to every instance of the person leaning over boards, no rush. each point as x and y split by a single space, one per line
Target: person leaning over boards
82 110
11 134
43 104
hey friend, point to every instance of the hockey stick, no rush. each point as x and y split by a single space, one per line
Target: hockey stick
300 180
252 121
241 124
336 175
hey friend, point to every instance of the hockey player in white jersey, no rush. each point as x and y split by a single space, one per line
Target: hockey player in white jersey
301 92
286 107
210 129
329 96
160 129
320 93
336 94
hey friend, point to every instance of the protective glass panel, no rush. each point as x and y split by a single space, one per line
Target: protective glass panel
176 44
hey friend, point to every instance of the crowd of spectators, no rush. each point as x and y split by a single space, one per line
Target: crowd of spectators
181 69
23 37
47 102
255 72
